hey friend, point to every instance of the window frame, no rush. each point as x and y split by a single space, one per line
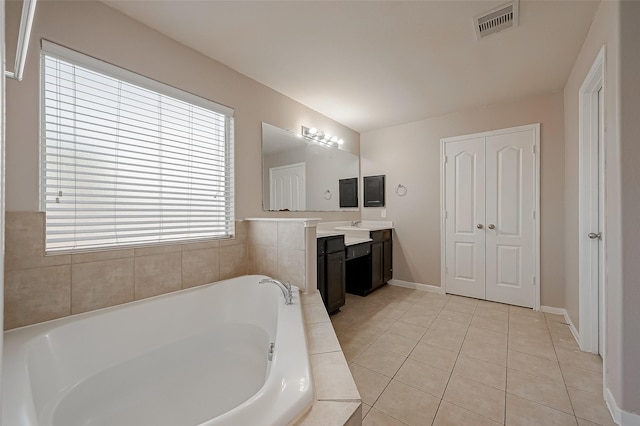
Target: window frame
112 71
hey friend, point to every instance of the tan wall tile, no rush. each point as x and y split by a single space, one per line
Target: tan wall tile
157 274
291 267
169 248
101 284
263 260
199 267
201 245
291 235
24 242
239 238
36 295
102 255
262 233
233 261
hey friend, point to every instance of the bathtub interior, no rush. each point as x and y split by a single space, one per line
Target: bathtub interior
130 365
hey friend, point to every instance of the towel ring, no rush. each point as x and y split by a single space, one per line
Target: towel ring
327 194
401 190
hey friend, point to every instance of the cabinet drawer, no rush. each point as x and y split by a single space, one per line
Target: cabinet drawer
382 235
358 250
335 244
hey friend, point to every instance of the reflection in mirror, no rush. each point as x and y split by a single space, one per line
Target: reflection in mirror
299 174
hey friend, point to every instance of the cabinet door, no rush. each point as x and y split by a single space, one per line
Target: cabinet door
322 277
377 265
387 264
335 281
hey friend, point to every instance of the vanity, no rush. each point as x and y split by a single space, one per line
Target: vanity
355 259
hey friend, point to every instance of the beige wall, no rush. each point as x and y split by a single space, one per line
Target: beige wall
409 154
97 30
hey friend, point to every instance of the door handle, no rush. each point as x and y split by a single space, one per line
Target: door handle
595 236
479 226
491 226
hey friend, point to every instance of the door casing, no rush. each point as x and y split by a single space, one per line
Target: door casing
536 250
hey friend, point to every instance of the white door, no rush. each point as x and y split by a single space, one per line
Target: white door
510 230
287 187
490 198
465 234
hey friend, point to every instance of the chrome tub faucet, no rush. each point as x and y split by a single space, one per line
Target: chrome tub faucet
285 287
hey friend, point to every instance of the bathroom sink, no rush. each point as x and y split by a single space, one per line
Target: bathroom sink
353 228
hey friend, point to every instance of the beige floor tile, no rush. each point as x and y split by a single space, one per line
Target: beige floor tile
476 397
577 358
456 306
407 404
530 332
452 415
375 319
522 412
481 371
547 393
456 316
487 337
406 329
489 353
567 342
518 310
352 350
434 356
360 334
490 324
532 347
494 306
527 321
469 301
444 339
490 313
378 418
554 317
381 361
590 406
424 377
365 409
369 383
539 367
582 379
583 422
418 317
393 343
443 324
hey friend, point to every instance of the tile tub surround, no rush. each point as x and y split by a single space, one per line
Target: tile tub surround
337 398
40 288
283 248
426 358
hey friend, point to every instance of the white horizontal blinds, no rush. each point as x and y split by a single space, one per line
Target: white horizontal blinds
125 165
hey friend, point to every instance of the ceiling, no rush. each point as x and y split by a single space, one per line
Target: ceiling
373 64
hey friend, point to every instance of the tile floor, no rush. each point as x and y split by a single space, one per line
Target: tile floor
422 358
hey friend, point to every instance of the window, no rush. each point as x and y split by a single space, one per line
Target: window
128 161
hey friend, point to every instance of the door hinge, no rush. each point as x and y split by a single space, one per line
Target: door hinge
533 214
445 159
446 270
533 280
533 148
446 215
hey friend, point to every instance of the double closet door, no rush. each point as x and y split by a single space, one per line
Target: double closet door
490 198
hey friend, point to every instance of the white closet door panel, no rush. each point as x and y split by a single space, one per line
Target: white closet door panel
510 202
464 201
287 187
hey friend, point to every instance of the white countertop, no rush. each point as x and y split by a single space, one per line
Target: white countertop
352 241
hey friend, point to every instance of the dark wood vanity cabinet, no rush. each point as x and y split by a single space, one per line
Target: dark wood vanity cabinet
381 257
331 272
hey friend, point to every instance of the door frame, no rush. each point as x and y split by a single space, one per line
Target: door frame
591 140
536 157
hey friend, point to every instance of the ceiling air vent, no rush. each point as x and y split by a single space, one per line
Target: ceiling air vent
497 19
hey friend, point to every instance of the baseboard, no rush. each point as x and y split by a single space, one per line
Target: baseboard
567 319
623 418
416 286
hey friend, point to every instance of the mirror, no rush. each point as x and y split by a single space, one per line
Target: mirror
300 174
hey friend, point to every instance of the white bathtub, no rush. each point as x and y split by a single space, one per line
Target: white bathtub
195 357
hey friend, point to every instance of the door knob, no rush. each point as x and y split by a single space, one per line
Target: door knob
491 226
595 236
479 226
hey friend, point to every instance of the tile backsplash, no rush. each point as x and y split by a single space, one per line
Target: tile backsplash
41 288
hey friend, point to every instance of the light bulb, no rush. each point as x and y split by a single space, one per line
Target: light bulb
312 131
340 141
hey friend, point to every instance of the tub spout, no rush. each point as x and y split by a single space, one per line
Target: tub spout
285 287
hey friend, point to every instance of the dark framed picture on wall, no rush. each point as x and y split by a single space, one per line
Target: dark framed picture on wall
374 191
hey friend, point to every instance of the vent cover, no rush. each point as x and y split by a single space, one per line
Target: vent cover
497 19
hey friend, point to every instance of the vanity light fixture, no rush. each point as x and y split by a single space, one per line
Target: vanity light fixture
320 136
